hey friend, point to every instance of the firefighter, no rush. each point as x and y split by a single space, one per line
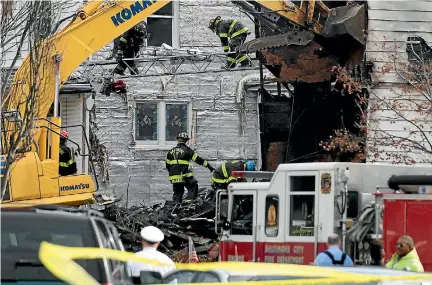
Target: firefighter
67 163
177 164
128 46
232 34
221 177
406 257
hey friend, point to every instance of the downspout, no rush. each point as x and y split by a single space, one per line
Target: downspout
261 116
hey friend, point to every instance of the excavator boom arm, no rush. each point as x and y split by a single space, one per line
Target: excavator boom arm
97 24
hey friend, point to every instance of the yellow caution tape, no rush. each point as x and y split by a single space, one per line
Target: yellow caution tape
59 260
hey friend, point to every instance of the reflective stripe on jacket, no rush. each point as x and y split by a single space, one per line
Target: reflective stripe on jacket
223 173
410 262
67 162
229 29
177 162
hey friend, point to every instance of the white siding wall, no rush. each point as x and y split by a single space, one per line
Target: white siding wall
218 122
390 23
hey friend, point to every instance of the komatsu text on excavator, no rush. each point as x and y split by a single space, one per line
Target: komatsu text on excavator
34 177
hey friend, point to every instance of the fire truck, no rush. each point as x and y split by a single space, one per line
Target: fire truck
288 215
408 211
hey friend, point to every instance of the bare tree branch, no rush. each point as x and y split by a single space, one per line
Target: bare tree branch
28 26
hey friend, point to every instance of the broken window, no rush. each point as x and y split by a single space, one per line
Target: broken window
146 121
160 26
242 215
159 122
272 216
176 120
302 203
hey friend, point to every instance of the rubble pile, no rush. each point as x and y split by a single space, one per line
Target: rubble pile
177 222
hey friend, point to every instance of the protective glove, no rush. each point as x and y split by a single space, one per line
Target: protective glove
119 56
211 168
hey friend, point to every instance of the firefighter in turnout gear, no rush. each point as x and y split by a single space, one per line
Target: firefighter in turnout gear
128 46
177 164
232 34
67 163
222 175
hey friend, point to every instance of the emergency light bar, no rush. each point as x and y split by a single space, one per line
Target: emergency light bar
253 174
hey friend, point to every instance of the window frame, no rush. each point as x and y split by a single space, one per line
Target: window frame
291 193
175 25
160 142
254 194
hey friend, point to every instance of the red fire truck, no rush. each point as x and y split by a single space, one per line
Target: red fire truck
408 213
289 218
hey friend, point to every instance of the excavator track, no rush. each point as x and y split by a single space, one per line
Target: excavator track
299 38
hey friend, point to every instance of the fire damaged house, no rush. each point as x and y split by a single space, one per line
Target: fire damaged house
302 88
317 70
335 84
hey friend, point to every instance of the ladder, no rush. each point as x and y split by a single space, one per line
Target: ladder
159 61
156 61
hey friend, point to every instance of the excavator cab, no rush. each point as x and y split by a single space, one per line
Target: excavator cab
35 178
302 40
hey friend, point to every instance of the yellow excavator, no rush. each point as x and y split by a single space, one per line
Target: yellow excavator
33 178
302 40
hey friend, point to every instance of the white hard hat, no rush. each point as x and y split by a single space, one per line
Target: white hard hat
152 234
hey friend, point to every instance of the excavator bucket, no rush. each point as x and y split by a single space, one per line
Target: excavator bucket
344 32
302 40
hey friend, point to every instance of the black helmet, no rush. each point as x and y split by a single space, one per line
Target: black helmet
182 137
213 23
141 29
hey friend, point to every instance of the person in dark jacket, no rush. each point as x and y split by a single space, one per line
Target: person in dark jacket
232 34
67 163
128 46
222 177
177 164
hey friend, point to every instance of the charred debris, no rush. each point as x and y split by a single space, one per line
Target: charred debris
177 222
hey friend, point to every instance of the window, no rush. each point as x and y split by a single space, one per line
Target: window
302 203
242 215
272 216
207 277
179 277
159 123
162 26
22 234
353 204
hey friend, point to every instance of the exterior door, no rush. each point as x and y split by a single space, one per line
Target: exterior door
271 221
301 217
241 245
72 113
